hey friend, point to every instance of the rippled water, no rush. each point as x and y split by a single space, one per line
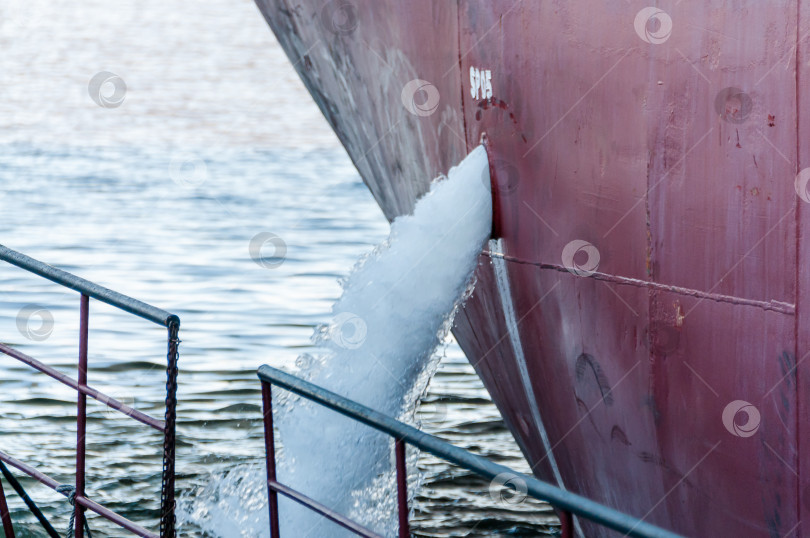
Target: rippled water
216 141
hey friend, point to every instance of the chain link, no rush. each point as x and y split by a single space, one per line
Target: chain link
167 500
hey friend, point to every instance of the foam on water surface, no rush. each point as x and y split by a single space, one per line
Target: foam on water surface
397 305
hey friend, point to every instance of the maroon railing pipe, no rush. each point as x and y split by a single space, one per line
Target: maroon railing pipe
82 501
270 451
5 515
402 489
90 391
566 525
81 415
318 508
30 471
121 521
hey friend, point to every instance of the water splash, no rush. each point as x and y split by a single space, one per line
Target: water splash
397 306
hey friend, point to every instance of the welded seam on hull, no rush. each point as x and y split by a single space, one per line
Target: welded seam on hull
505 292
776 306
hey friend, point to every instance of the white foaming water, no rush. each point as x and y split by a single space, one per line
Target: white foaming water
397 306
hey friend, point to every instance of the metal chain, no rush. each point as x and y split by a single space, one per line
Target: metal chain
71 497
167 500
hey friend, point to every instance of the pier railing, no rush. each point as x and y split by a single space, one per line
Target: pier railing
76 492
564 501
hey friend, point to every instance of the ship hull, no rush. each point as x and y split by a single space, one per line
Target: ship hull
638 317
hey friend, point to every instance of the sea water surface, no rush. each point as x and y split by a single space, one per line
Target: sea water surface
157 193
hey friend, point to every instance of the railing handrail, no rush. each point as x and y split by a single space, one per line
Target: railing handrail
565 500
100 293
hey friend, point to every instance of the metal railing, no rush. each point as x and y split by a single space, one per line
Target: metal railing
564 501
76 493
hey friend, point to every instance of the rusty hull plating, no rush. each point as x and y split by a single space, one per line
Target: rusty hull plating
640 322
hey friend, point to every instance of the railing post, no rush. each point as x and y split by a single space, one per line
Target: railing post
402 489
270 451
5 515
81 415
566 525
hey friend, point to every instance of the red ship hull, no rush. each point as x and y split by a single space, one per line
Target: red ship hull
669 379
